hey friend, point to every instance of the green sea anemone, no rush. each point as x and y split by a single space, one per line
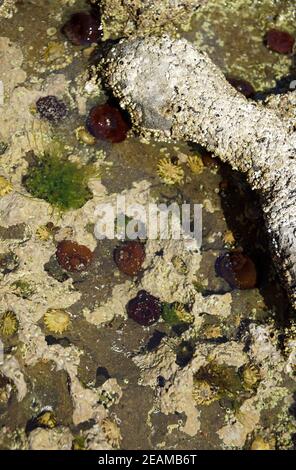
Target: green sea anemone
62 183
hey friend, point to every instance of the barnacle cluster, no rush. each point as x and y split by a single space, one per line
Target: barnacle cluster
57 320
169 172
9 324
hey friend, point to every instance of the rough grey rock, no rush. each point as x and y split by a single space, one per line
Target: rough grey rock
173 91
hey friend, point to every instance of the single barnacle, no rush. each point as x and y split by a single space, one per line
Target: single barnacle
112 432
22 289
204 393
175 313
5 186
9 323
179 265
44 233
57 320
195 164
169 172
47 419
251 377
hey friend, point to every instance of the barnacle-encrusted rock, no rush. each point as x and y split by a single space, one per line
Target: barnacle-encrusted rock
129 17
175 92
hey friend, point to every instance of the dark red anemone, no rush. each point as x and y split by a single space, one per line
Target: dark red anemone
83 28
106 122
72 256
242 86
129 257
144 309
237 269
279 41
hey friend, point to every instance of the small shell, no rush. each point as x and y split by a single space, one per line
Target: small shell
84 136
9 324
57 320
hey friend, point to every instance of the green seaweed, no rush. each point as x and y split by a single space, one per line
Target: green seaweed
62 183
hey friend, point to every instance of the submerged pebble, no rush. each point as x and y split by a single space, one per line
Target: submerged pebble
129 257
237 269
144 309
51 108
83 28
105 122
73 257
279 41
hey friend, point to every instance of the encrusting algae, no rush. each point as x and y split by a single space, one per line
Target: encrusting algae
57 320
62 183
9 324
169 172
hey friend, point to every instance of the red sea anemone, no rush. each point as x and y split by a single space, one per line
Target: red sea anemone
237 269
129 257
279 41
73 257
83 28
144 309
105 122
242 86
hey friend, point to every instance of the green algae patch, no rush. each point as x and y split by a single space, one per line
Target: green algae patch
62 183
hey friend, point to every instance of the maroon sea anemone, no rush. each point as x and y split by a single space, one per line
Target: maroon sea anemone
237 269
144 309
83 28
105 122
72 256
51 108
279 41
129 257
242 86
